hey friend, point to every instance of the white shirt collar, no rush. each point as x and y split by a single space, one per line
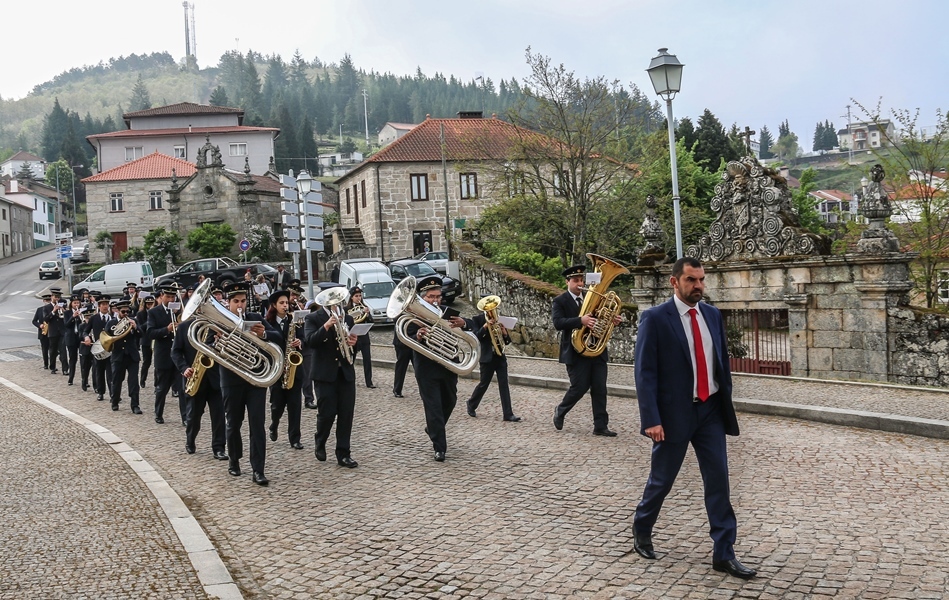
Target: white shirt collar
684 308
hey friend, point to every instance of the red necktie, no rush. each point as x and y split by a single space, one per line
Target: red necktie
701 370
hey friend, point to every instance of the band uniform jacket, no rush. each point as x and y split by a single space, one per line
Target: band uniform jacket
228 377
478 325
127 346
183 355
157 327
97 325
73 327
54 319
39 317
327 362
284 331
566 318
424 366
85 330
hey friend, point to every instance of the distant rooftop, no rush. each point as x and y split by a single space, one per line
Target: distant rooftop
153 166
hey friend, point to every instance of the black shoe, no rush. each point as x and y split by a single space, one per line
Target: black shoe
642 544
397 395
174 393
320 453
440 457
189 448
260 478
347 462
184 423
220 455
100 398
471 411
512 418
370 386
734 568
70 383
296 446
310 405
558 421
85 387
606 432
234 468
115 407
159 420
141 383
136 410
53 371
273 433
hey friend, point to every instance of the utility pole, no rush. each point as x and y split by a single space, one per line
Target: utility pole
849 133
365 109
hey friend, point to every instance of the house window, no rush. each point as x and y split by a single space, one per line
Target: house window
154 200
133 152
943 292
363 186
238 149
419 184
348 207
117 202
4 214
356 194
180 152
469 185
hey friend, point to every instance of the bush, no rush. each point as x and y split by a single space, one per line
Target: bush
534 264
263 244
133 254
211 240
158 244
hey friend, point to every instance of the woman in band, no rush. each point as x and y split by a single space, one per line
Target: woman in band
73 324
280 317
85 344
142 319
356 309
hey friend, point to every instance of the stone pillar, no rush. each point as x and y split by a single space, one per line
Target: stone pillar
870 324
798 334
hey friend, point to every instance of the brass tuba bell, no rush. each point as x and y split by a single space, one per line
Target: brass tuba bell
601 304
489 305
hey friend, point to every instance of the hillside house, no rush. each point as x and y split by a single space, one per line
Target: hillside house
863 136
834 205
11 166
390 132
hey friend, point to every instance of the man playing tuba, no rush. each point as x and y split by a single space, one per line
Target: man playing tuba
491 361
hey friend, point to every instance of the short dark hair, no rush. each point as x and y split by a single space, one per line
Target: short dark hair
679 267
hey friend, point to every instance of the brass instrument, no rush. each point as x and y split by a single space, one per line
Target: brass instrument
601 304
333 300
122 329
44 328
202 362
489 305
256 361
294 357
457 351
359 312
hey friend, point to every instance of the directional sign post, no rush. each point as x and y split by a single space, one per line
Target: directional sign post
302 223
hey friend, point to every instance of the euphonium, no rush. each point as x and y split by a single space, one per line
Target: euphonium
333 300
359 313
489 305
122 329
294 357
457 351
202 362
256 361
602 305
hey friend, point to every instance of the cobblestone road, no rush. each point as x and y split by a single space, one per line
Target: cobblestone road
520 510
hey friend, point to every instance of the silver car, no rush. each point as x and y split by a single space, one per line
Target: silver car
51 268
438 260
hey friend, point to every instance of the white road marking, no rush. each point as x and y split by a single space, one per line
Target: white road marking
15 293
23 330
11 317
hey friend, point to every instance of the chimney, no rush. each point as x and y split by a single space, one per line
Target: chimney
470 114
14 186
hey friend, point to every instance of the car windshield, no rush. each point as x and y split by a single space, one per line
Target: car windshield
420 269
49 264
383 289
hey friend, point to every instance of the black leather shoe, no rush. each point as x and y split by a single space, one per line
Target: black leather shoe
136 411
370 386
141 383
642 544
53 371
159 420
273 434
471 412
347 462
220 455
558 421
606 432
296 446
234 468
320 453
397 395
260 478
174 393
512 418
440 457
70 383
85 387
734 568
189 448
310 405
100 397
115 407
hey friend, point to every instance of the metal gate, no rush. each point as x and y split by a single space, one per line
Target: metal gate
758 340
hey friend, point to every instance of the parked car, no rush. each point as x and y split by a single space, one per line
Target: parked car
438 260
51 268
113 279
400 269
221 271
80 253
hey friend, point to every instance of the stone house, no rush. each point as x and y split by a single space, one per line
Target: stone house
179 130
17 222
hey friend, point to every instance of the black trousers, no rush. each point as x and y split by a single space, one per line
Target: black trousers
54 347
364 346
290 400
121 366
163 383
335 401
587 374
102 376
238 400
403 356
73 352
63 360
305 371
497 364
85 366
439 395
44 348
146 361
210 398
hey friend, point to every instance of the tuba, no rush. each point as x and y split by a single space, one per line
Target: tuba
294 358
601 304
333 300
256 361
122 329
489 304
457 351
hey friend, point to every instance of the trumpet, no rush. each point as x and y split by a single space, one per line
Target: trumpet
333 300
489 305
457 351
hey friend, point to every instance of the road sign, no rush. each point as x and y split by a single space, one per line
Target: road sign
291 247
315 245
64 236
64 252
291 220
244 245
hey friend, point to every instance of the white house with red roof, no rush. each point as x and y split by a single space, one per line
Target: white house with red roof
834 205
11 166
42 209
179 130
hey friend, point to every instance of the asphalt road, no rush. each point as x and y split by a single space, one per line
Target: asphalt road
20 287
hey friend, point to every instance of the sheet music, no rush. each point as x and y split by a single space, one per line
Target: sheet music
593 278
360 329
508 322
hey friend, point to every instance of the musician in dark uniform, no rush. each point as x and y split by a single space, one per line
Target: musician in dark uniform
208 394
437 386
131 294
53 315
305 372
85 344
125 356
403 356
335 380
240 397
291 400
39 318
585 372
141 317
363 344
102 369
491 363
161 326
72 325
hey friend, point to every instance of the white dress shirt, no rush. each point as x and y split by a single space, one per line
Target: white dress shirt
707 345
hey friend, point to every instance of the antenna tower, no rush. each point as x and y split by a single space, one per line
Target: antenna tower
191 44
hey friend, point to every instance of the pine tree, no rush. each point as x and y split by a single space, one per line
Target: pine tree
830 136
765 141
307 145
219 97
712 145
25 173
686 132
54 130
818 144
140 99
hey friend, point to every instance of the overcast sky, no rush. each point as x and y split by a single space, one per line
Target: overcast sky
750 62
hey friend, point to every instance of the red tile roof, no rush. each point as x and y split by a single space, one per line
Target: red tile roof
22 155
153 166
132 133
183 109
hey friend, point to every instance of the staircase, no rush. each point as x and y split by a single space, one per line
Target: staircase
351 238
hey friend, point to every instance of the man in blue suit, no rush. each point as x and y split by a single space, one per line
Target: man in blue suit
684 387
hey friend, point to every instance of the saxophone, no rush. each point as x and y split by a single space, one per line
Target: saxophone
202 362
294 357
489 304
602 305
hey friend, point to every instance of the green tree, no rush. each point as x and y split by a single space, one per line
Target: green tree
712 144
140 100
219 97
159 243
686 132
307 145
54 131
830 136
25 173
211 240
818 144
786 147
59 173
765 141
810 218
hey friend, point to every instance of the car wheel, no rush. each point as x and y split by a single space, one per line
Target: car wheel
225 282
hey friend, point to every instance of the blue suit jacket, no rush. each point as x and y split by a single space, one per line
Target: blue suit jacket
664 375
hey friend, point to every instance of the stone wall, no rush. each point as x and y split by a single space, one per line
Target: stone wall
137 218
529 300
919 342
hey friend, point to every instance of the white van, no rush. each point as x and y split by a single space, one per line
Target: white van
113 279
373 278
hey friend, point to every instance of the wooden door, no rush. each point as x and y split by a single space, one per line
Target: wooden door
120 243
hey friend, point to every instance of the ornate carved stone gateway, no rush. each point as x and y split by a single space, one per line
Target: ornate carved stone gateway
754 218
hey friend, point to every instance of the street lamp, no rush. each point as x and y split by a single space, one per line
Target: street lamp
304 185
665 71
75 215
